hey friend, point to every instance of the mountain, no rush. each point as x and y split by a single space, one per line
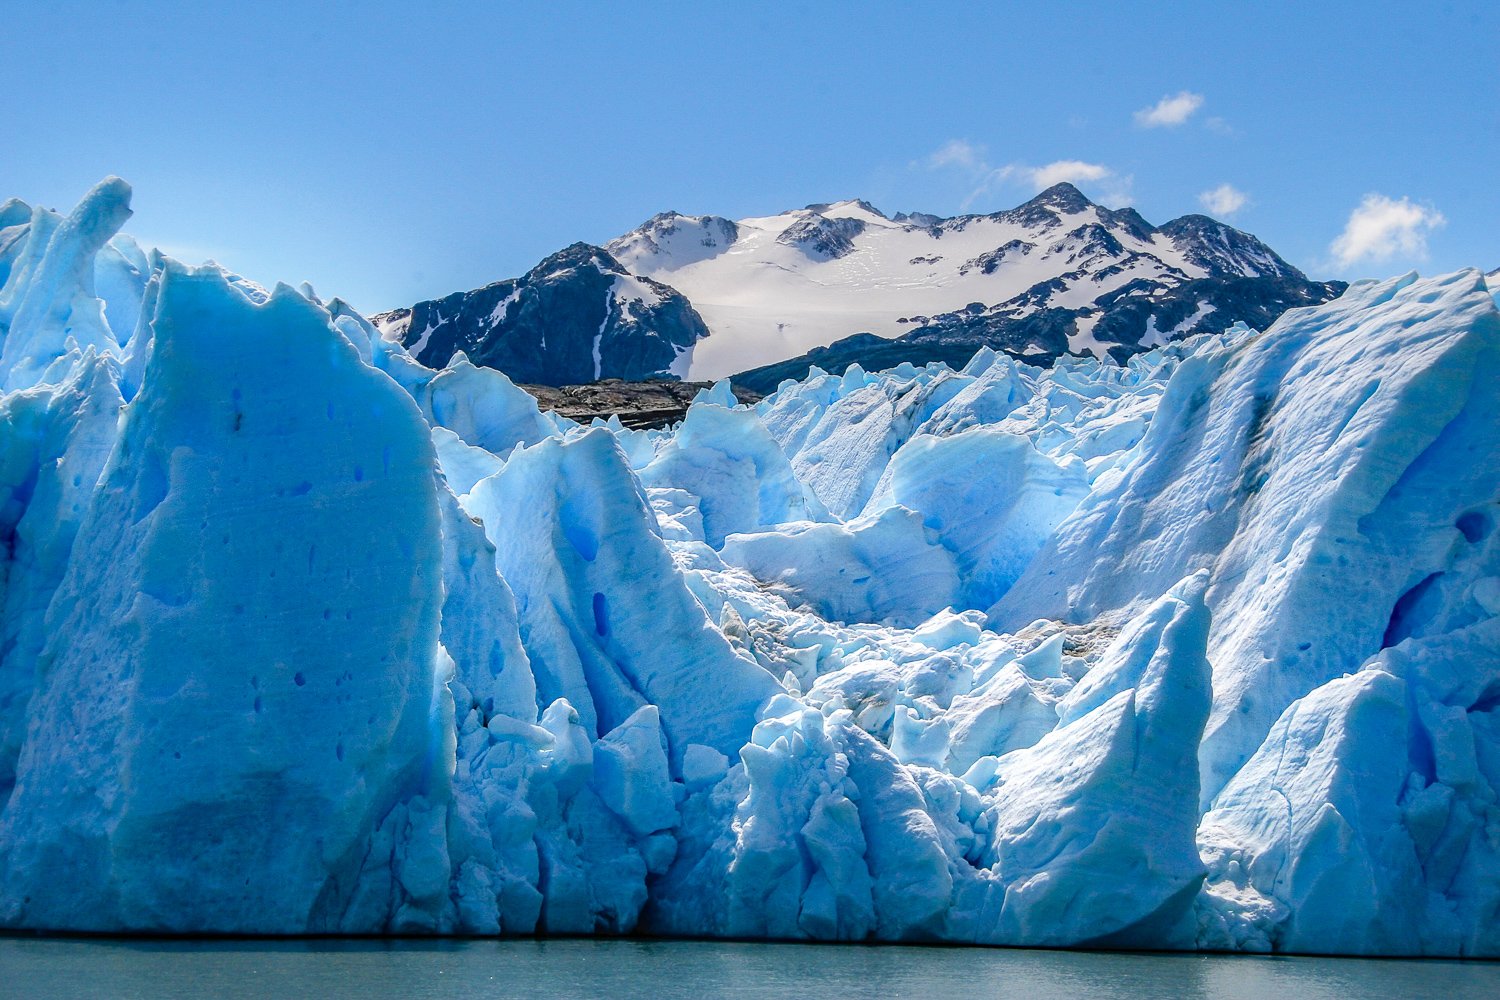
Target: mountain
1056 275
576 317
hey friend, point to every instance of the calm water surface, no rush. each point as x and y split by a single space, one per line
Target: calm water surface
39 969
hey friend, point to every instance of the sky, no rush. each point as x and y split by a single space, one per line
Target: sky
394 152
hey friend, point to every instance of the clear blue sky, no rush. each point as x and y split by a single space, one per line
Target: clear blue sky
391 152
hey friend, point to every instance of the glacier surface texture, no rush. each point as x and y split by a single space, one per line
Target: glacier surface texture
300 635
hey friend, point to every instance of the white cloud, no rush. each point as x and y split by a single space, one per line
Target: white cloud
1174 109
1380 228
1109 188
1072 171
1118 191
957 153
970 159
1223 201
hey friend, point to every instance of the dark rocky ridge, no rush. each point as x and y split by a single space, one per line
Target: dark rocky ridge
649 403
565 321
822 239
1040 337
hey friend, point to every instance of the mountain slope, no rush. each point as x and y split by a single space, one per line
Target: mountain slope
1119 323
1056 274
576 317
703 297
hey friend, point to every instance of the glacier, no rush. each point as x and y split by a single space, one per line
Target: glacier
299 635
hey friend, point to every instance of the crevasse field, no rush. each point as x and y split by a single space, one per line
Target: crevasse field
298 635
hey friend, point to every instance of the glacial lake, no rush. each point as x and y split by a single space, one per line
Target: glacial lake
78 969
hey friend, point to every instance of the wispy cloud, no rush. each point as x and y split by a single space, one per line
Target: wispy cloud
971 160
1223 201
1379 228
1220 126
1170 111
956 153
1108 187
1072 171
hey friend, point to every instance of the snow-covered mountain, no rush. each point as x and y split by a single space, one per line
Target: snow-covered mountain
299 635
1056 275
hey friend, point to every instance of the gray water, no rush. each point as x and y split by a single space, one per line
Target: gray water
39 969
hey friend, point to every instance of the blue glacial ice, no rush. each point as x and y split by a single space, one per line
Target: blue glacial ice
297 634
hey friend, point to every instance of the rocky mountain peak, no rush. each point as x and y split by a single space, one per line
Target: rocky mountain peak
1061 196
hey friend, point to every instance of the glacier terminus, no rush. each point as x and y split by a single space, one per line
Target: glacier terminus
299 635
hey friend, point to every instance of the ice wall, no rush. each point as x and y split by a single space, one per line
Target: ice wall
243 626
297 634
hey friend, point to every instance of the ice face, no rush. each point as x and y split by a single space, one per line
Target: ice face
1320 466
56 442
734 470
298 634
251 624
483 408
991 498
49 303
569 522
1111 790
